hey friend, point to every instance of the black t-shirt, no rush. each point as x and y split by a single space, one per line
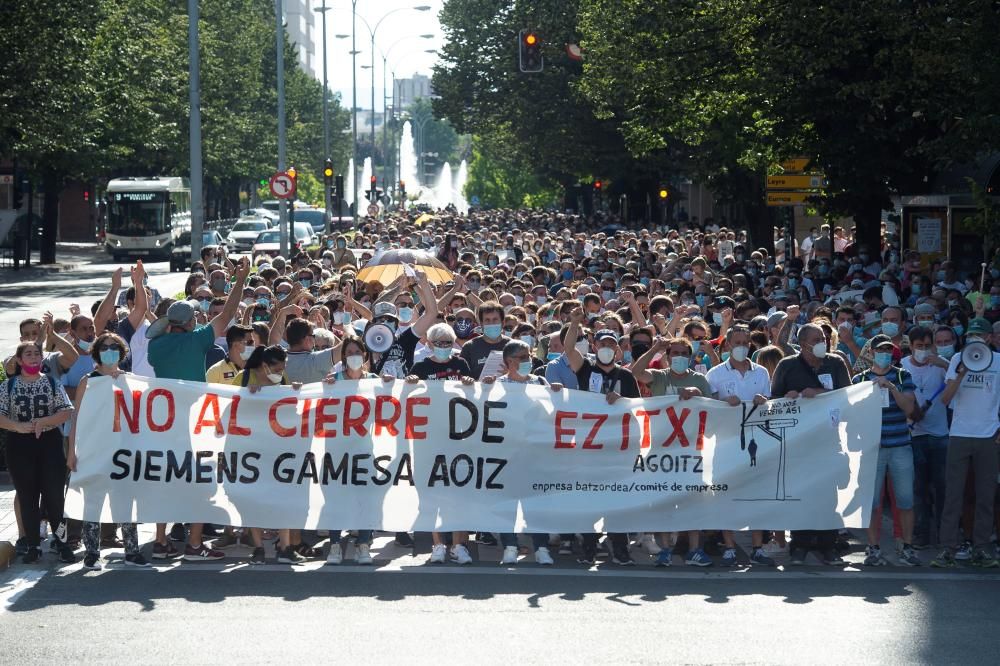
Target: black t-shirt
455 368
618 379
476 351
397 360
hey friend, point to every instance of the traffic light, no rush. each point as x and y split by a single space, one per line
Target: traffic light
262 182
338 194
664 193
293 174
373 190
328 172
402 191
18 200
597 186
530 52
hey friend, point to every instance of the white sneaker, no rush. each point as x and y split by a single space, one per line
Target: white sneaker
648 543
509 555
336 554
543 557
438 553
363 555
460 554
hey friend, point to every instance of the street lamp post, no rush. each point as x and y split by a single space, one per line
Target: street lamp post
354 105
326 116
386 167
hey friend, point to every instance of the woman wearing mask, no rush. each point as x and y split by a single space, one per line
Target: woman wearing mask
343 257
442 365
357 361
32 407
266 367
107 352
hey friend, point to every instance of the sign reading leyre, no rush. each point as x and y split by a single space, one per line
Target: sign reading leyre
440 456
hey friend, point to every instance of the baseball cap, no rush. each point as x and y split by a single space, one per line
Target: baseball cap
980 326
924 309
879 340
384 309
605 333
775 318
178 314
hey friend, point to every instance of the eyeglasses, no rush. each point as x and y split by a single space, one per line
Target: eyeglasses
405 305
109 348
442 344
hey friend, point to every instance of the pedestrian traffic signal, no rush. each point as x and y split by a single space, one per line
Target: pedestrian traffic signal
530 52
262 182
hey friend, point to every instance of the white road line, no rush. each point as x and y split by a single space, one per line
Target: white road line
19 582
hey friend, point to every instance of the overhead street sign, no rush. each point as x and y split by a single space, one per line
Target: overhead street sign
795 165
282 185
789 198
796 182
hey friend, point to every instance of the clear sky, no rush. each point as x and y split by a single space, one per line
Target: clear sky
397 35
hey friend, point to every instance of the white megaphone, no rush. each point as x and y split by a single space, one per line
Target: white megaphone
378 338
977 356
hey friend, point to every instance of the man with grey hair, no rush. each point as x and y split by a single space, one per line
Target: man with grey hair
805 375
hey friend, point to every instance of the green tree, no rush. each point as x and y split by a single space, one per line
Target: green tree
501 183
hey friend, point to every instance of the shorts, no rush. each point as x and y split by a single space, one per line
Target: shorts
898 460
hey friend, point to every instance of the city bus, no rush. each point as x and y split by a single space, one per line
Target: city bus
146 216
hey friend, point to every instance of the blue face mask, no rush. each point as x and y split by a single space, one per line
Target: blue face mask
995 302
793 283
680 364
626 356
915 288
110 357
958 328
946 351
442 354
644 281
84 344
695 346
700 299
890 328
203 305
567 275
492 331
266 302
405 314
824 270
306 283
551 356
883 359
524 368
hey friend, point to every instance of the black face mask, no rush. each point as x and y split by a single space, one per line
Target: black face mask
638 349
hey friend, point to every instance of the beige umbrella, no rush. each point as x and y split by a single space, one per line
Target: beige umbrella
387 266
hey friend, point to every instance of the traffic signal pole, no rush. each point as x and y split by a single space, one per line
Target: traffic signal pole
194 86
282 204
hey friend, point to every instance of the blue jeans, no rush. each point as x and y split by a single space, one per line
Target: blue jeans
929 458
898 461
537 540
364 537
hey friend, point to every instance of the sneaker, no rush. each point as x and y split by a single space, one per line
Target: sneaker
336 554
797 556
405 540
964 552
543 557
908 557
163 552
307 551
648 544
663 559
509 555
759 558
566 547
135 560
92 561
873 557
21 547
588 556
944 560
729 558
227 540
984 559
486 538
178 533
831 558
698 558
621 557
66 554
460 554
439 552
33 555
201 553
363 554
257 556
289 556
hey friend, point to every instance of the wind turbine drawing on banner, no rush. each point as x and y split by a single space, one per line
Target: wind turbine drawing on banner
774 428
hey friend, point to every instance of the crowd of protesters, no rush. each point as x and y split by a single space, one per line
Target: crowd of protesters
571 303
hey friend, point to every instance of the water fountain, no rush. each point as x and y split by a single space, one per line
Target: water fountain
408 160
443 192
366 176
458 197
350 182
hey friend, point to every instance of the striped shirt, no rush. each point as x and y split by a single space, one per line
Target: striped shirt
895 431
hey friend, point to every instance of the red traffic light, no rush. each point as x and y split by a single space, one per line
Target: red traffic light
597 185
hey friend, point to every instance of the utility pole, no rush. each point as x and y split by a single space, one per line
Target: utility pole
354 105
280 42
194 90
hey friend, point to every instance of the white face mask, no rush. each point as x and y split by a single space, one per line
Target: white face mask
606 355
920 355
245 354
739 354
819 350
274 377
355 361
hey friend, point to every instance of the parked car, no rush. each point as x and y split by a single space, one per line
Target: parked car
180 258
269 242
245 232
314 217
256 213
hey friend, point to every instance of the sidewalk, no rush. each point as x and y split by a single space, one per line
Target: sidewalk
8 525
69 257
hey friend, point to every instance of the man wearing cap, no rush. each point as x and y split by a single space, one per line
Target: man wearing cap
893 322
974 397
605 376
177 350
895 455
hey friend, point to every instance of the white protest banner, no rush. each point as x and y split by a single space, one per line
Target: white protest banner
441 456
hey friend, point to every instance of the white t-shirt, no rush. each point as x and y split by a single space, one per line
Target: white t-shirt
139 347
928 379
726 381
977 402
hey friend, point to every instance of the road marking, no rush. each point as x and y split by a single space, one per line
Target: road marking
19 582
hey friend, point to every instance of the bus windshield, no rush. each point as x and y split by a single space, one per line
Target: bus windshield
138 213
